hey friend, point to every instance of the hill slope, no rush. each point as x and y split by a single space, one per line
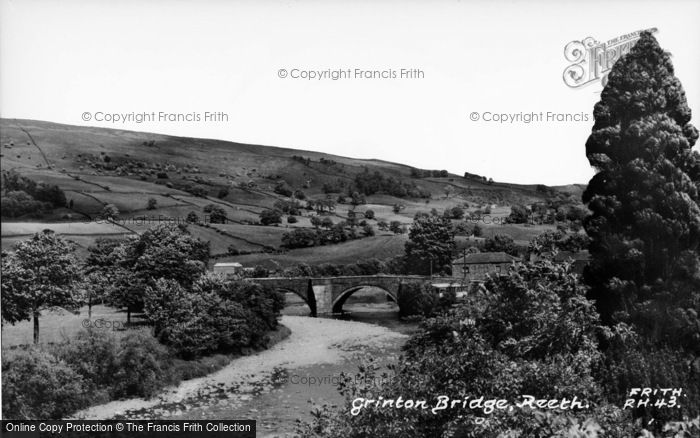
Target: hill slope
100 166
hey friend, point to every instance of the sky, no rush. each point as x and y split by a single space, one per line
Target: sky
78 62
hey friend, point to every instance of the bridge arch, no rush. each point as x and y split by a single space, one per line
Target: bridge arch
309 299
337 306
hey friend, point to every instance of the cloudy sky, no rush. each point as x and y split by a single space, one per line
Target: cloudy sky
59 60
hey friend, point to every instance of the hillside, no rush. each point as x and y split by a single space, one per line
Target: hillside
99 166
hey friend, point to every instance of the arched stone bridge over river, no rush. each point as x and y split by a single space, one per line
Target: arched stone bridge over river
326 295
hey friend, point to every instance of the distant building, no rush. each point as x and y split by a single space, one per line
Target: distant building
228 268
476 266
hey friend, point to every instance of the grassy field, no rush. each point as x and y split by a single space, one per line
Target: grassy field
380 247
58 326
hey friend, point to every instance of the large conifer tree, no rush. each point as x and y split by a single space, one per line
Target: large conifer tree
644 199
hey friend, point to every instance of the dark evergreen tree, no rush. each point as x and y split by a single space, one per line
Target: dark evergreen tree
645 221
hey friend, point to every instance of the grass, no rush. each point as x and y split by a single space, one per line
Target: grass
380 247
60 325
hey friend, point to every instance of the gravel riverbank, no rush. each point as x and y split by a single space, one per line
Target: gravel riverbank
313 341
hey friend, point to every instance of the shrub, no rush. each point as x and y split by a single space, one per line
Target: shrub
94 355
143 366
369 214
152 204
37 385
292 219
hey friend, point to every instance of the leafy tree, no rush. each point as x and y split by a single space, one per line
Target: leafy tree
270 217
369 214
38 275
166 251
357 198
192 218
300 238
99 268
316 221
367 230
518 215
430 245
456 212
327 223
217 214
109 212
292 219
396 227
215 314
644 200
152 204
500 243
449 190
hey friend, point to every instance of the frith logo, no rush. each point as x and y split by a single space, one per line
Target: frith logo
592 60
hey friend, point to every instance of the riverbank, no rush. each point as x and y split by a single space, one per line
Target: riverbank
313 341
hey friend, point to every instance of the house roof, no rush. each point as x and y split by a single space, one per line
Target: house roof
484 257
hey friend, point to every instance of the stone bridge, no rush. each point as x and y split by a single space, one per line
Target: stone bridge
327 295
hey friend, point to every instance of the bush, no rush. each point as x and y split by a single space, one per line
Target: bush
37 385
369 214
144 366
152 204
94 355
292 219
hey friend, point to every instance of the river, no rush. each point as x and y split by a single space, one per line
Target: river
280 385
